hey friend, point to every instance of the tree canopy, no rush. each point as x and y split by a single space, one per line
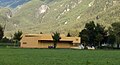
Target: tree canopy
1 32
17 35
56 38
93 34
116 32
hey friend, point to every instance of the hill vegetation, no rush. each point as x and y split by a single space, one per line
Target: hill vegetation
60 15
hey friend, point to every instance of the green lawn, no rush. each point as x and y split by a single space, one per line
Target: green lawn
58 57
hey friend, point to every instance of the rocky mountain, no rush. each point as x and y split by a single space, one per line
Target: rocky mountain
59 15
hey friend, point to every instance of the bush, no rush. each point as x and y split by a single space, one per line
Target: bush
50 47
5 40
105 47
9 45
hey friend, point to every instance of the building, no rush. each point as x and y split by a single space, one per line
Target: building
46 40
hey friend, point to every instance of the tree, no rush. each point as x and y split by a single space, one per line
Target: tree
56 38
116 31
84 37
111 39
5 40
93 34
1 32
68 35
98 39
100 34
87 34
17 35
90 27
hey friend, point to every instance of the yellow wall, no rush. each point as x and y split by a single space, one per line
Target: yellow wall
35 42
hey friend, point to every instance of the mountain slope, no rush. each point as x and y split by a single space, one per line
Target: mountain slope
63 15
12 3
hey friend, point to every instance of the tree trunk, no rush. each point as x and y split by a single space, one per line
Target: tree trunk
55 44
117 45
112 45
99 44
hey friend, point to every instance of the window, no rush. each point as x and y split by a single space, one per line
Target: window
31 36
76 39
24 42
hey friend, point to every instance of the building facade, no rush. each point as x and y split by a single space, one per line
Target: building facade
46 40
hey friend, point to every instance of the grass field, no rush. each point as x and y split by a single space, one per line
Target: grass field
58 57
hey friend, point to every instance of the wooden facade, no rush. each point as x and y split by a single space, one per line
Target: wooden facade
45 40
